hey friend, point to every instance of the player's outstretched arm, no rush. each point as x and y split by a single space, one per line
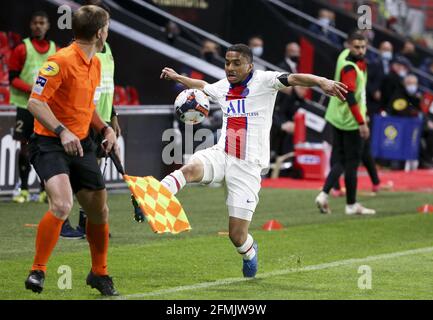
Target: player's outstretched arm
331 87
170 74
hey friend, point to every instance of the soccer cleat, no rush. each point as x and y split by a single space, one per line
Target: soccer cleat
43 197
22 196
249 268
322 203
357 208
35 281
68 232
138 214
104 284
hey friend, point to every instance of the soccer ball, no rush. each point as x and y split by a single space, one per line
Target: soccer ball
191 106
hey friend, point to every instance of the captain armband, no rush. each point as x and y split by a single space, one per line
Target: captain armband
283 79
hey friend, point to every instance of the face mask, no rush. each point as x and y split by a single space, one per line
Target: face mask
295 59
402 73
387 55
324 22
412 89
208 56
257 51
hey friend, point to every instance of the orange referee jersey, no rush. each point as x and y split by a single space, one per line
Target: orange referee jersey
67 82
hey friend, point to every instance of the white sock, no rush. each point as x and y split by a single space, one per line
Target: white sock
174 181
247 250
324 194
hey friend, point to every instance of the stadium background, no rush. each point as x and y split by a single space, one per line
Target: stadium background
138 63
307 238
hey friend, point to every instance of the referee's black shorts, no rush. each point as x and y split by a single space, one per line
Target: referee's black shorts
49 159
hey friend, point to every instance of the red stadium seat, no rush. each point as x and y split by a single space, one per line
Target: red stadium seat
4 94
14 39
133 98
4 68
120 96
4 42
5 53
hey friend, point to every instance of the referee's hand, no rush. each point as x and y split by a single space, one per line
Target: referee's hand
110 141
71 143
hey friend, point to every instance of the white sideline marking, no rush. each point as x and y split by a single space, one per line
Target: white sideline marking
322 266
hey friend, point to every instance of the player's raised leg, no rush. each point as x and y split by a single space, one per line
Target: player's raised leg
191 172
205 166
59 192
94 203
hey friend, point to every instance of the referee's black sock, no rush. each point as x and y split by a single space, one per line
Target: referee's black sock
24 168
82 219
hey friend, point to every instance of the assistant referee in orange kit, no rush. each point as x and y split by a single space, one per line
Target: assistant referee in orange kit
62 102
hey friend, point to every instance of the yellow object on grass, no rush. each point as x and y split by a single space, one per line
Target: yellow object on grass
161 208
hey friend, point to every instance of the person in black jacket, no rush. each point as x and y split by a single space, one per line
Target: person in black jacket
378 69
282 121
405 100
288 102
291 59
400 67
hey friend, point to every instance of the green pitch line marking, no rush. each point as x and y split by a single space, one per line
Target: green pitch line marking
229 281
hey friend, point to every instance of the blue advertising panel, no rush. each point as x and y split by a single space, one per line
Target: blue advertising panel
396 138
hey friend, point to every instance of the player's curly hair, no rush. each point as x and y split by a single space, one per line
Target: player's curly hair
242 49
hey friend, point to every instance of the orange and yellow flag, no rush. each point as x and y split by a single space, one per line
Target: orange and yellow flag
161 208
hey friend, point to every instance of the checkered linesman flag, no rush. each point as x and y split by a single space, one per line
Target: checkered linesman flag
162 210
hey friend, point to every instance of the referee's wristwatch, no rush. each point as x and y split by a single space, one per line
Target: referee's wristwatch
58 130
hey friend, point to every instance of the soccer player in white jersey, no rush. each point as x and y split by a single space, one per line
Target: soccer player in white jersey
247 99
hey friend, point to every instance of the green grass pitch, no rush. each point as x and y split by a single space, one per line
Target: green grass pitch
308 259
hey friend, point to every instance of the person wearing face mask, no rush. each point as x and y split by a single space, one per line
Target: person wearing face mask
326 18
378 69
405 101
209 51
291 59
172 31
256 45
393 81
289 100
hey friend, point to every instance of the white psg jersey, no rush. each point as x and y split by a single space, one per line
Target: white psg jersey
247 114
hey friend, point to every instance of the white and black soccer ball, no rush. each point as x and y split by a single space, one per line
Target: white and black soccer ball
191 106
